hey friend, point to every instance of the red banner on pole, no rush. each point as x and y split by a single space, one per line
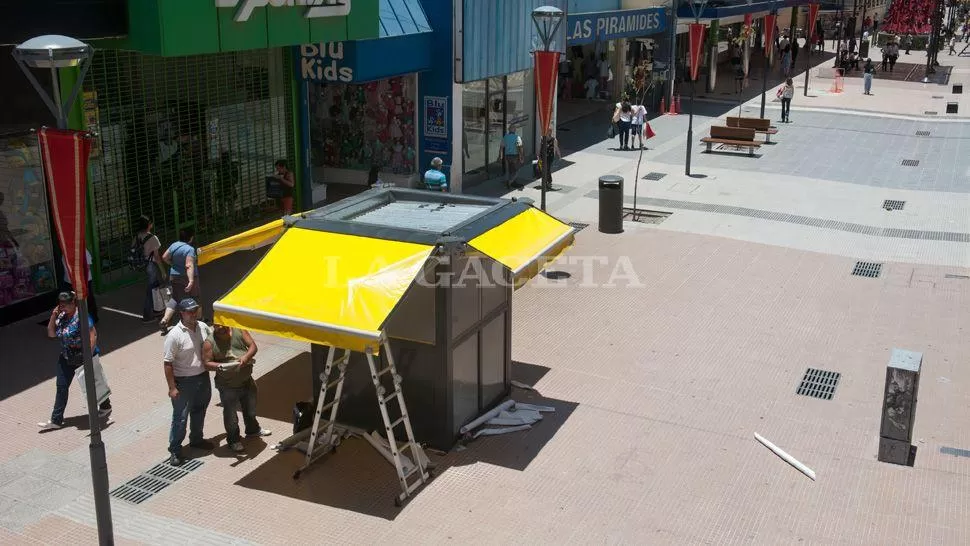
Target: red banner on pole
769 33
696 43
547 72
65 157
747 20
812 17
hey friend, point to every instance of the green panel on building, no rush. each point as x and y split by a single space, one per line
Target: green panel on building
285 27
189 27
328 29
363 23
144 28
235 36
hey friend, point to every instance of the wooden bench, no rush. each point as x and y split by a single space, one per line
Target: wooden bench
760 126
732 136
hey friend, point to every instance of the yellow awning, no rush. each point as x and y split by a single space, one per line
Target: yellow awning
325 288
526 243
247 240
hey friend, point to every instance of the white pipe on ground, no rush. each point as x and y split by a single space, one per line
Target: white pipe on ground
786 457
488 415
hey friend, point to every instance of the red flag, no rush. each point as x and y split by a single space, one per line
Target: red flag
747 20
769 33
696 41
65 157
547 72
812 17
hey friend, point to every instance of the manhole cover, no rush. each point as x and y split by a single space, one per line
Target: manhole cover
867 269
910 163
893 205
819 384
578 226
145 486
653 176
922 133
930 113
645 216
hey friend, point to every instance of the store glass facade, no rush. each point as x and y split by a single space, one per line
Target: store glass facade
354 127
26 251
187 141
489 107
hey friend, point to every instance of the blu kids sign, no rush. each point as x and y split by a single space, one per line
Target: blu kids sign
586 28
327 63
315 8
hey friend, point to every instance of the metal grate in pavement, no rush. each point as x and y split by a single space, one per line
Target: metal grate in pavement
819 384
653 176
930 112
644 216
890 204
867 269
937 96
955 276
578 226
910 163
955 451
145 486
922 133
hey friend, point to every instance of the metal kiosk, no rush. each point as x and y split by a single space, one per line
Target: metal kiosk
416 284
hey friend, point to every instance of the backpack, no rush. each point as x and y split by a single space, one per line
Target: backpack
137 260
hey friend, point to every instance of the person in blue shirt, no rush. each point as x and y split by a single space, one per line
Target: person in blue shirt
183 275
511 152
434 178
65 325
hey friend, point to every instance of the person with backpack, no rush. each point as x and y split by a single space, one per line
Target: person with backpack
143 256
786 93
183 274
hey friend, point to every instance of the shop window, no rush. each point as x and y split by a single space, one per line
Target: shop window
360 126
474 126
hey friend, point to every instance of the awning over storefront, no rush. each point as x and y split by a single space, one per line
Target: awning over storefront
526 256
722 10
403 46
247 240
326 288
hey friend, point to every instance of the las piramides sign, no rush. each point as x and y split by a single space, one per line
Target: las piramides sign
315 8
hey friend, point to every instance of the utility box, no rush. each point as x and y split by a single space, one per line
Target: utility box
899 407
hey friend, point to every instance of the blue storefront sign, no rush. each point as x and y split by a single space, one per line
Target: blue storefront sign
365 60
586 28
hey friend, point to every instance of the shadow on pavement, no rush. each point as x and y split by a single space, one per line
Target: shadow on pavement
282 387
355 477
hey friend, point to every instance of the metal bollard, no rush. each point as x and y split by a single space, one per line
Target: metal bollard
611 204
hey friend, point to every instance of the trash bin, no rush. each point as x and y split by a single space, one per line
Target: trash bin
611 204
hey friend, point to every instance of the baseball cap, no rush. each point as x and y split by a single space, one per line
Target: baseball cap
188 304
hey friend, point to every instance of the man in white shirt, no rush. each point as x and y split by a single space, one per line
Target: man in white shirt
69 287
604 71
188 381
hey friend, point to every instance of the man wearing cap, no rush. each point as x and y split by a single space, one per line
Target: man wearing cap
229 352
434 178
188 381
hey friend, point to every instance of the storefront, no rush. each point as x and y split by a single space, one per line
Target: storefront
30 267
192 109
362 113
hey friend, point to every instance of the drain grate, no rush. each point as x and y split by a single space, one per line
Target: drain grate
937 96
145 486
893 205
955 451
922 133
653 176
645 216
819 384
578 226
910 163
867 269
930 112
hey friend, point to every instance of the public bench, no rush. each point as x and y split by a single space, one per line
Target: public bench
760 125
732 136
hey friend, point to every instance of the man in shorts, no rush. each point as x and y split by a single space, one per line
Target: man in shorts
511 151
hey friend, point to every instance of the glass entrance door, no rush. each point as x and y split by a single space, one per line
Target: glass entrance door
496 125
474 127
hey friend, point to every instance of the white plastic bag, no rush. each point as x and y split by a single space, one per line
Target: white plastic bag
100 381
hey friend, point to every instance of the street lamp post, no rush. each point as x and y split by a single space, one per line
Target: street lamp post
764 50
697 8
54 52
547 20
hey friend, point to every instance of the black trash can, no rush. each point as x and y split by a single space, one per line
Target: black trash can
611 204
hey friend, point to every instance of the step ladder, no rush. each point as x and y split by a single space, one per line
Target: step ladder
407 457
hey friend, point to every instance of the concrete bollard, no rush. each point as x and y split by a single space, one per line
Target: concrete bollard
899 407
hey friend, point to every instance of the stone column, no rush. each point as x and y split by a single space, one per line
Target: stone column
899 407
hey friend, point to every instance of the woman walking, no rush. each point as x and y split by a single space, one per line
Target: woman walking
147 244
868 71
787 93
623 115
183 274
65 325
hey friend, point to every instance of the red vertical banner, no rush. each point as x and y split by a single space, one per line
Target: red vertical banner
697 31
65 158
747 20
812 18
769 33
547 72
